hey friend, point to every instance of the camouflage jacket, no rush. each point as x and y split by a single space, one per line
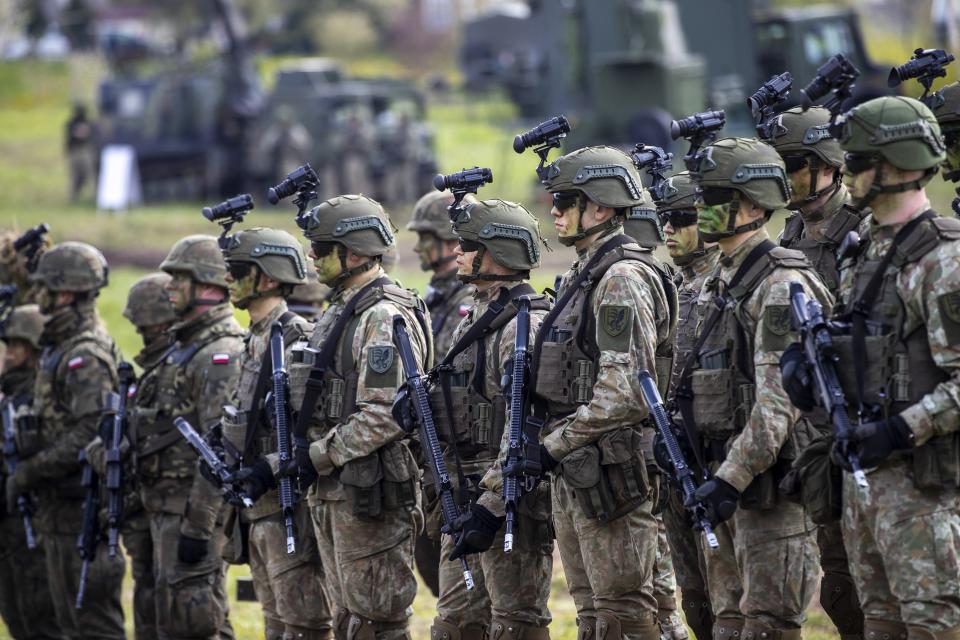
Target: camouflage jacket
17 388
191 381
448 301
243 399
764 322
690 280
633 288
371 426
929 293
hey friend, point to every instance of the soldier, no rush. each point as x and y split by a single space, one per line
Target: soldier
77 369
449 299
365 502
499 245
695 260
307 300
822 220
263 266
15 267
763 575
190 380
614 311
899 291
25 600
948 115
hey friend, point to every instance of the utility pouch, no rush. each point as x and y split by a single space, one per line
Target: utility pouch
362 481
936 464
712 400
236 550
609 479
535 530
815 482
399 476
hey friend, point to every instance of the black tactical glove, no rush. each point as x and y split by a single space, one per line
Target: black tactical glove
719 500
796 379
402 410
873 442
477 529
300 468
546 460
191 550
256 479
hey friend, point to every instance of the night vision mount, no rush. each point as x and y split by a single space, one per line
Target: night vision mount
764 101
699 129
835 78
926 65
302 181
29 244
656 162
460 184
228 213
543 137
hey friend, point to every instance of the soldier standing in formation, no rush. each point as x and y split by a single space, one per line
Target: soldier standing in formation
499 244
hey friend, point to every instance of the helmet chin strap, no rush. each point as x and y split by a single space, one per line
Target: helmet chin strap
255 295
814 194
733 207
876 188
610 223
692 255
476 276
345 273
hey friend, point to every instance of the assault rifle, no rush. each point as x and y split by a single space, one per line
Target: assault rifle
681 470
118 426
90 533
523 454
11 456
418 411
231 490
281 419
818 348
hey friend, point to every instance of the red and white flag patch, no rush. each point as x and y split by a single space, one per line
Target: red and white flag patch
221 358
464 310
75 363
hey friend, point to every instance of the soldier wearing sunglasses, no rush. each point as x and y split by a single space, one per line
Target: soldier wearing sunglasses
763 575
947 111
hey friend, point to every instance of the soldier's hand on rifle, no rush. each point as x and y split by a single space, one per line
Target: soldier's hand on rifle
796 378
256 479
300 467
874 442
402 412
477 530
191 550
718 498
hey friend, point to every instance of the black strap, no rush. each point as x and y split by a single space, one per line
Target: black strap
864 304
478 328
683 392
263 380
324 360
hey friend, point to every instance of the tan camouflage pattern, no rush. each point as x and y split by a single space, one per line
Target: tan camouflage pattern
445 297
139 547
13 266
691 279
665 587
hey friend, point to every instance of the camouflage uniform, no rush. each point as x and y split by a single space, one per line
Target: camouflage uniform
587 389
26 604
365 505
190 381
761 578
77 369
902 532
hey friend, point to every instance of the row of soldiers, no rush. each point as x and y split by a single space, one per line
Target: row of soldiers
716 336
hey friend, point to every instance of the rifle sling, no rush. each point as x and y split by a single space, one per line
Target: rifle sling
684 391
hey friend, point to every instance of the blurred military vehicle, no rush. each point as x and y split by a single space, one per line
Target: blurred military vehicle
620 67
206 130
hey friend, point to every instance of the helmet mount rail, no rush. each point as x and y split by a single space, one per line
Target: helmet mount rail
460 184
543 137
228 213
656 162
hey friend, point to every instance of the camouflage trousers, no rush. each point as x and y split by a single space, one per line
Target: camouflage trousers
609 565
191 601
765 569
25 601
687 555
838 593
369 568
904 548
665 588
102 615
139 548
290 587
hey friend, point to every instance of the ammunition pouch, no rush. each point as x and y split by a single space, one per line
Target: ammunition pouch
236 550
609 478
29 441
716 397
535 528
383 480
565 376
477 423
763 493
936 464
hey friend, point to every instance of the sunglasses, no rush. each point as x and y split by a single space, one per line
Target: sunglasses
322 249
678 218
714 196
239 270
795 163
469 245
855 163
563 200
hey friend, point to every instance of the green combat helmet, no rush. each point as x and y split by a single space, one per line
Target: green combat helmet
24 323
276 254
900 131
679 206
199 256
353 222
733 168
643 223
148 303
507 230
430 215
74 267
804 136
948 115
602 174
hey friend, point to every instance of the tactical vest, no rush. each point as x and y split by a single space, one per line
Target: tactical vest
899 369
567 362
822 253
688 313
474 417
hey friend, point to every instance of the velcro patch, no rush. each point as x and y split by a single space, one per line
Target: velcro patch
381 367
949 304
615 322
777 327
220 358
75 363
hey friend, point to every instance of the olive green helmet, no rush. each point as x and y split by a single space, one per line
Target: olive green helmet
72 266
643 224
430 215
276 253
354 221
148 303
679 192
947 110
507 230
746 165
796 132
199 256
901 130
24 323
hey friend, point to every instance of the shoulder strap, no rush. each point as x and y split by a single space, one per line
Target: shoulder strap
478 328
792 229
843 222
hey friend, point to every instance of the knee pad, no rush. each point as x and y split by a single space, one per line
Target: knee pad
341 618
586 627
501 629
922 633
754 629
611 627
302 633
884 630
696 606
838 597
727 628
360 628
443 630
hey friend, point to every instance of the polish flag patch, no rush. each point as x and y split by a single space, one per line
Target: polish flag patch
75 363
221 358
132 391
464 310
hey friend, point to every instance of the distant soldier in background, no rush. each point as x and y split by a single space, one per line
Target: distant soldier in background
307 300
81 142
